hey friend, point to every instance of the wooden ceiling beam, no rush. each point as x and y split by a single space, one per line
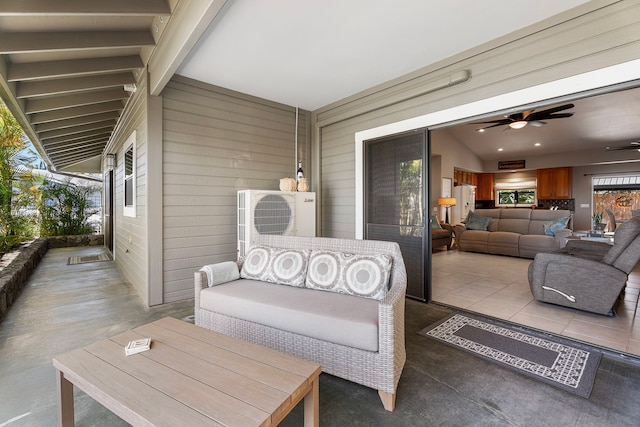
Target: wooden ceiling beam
80 147
68 113
95 127
84 7
28 42
84 140
77 137
65 101
77 121
67 159
49 69
31 89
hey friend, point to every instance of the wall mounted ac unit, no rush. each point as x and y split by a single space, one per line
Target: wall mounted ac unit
282 213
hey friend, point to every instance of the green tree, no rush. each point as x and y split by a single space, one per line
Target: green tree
65 209
14 227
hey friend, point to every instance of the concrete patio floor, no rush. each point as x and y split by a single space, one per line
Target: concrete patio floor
65 307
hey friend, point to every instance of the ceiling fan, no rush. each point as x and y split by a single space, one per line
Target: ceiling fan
529 117
633 145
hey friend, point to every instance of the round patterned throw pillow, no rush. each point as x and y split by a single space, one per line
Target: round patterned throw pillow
365 277
289 266
351 274
324 268
255 263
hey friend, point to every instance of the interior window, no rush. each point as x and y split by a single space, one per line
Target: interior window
129 173
526 197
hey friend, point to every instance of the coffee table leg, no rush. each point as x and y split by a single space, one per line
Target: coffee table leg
312 405
65 401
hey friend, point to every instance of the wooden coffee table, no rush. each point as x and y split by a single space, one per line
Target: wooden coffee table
191 377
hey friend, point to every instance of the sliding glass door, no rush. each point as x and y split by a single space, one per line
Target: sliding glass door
395 202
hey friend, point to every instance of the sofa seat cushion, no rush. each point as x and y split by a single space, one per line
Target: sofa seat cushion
328 316
503 243
531 244
474 240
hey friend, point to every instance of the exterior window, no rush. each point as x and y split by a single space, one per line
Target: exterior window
525 197
129 187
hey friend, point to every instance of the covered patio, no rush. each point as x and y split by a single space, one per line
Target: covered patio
64 307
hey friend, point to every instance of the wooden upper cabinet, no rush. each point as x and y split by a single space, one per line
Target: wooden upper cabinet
485 190
554 183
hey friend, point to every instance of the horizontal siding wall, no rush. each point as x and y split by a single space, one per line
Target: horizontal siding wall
130 234
597 35
216 142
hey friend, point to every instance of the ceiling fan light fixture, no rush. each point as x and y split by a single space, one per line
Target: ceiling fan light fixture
518 125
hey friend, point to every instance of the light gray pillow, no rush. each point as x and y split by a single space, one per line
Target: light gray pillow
352 274
221 272
281 266
435 224
477 222
551 227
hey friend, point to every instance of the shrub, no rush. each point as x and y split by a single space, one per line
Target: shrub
65 209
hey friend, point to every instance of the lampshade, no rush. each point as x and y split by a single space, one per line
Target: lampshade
447 201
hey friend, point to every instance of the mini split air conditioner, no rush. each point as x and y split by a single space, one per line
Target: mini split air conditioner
282 213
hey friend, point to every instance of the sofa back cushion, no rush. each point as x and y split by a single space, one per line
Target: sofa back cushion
515 220
351 274
281 266
540 217
352 246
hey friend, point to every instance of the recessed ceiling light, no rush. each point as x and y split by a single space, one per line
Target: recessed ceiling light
480 130
500 149
537 144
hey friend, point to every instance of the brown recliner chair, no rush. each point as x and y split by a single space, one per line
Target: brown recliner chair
583 275
442 236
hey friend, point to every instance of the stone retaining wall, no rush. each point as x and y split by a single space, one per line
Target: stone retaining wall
15 275
80 240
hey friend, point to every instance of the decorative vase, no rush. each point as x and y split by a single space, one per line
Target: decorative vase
288 184
303 184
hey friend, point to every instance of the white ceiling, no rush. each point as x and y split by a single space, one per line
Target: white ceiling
312 53
598 122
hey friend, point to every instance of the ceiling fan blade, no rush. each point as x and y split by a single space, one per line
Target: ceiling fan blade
624 148
537 123
497 122
494 125
556 109
540 116
545 114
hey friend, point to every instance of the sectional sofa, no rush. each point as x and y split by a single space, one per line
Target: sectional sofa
518 232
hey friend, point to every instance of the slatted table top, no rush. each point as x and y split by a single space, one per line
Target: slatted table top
190 376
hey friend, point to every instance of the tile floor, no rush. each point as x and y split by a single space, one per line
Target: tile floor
497 286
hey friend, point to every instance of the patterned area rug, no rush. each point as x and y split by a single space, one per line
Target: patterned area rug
73 260
557 362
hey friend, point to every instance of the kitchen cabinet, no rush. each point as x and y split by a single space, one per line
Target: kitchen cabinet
485 190
461 177
554 183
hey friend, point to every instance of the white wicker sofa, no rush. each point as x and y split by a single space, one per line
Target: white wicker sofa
357 338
